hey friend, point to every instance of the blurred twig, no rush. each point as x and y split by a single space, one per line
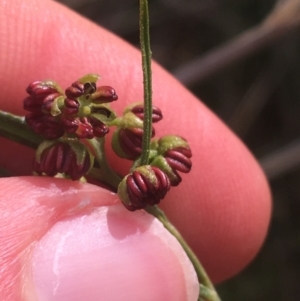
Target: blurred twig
259 93
284 18
282 160
194 7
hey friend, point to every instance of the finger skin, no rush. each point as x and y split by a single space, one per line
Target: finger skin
75 241
222 207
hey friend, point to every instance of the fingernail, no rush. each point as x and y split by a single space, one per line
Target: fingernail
111 254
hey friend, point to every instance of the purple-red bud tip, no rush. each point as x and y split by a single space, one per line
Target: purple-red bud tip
139 111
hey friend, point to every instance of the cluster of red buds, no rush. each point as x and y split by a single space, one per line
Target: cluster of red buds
80 112
127 138
69 157
173 155
146 185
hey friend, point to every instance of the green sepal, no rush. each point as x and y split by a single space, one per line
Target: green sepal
137 162
131 106
103 117
89 78
116 145
122 192
170 142
147 171
81 151
44 145
57 104
127 121
131 121
160 162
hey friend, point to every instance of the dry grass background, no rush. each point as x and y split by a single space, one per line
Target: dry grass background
241 57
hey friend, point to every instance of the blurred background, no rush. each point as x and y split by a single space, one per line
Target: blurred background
242 58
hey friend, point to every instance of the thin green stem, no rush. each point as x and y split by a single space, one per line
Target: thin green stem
106 173
14 128
207 294
208 290
147 79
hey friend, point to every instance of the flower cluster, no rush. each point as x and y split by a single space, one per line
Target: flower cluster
146 185
67 119
69 157
172 155
81 112
43 104
127 139
64 119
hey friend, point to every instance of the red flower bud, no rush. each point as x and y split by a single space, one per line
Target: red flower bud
60 157
40 90
85 129
127 142
48 101
146 185
32 104
173 156
76 90
139 111
71 106
42 104
179 159
45 125
104 94
99 128
70 123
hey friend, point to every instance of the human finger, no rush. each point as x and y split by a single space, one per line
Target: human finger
63 240
223 206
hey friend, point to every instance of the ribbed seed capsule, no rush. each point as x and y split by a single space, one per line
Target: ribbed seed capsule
139 111
173 156
61 157
146 185
130 143
127 142
178 159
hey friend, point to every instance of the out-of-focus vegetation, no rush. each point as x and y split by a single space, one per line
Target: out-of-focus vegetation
242 58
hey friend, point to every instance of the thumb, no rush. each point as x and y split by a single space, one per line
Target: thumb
63 240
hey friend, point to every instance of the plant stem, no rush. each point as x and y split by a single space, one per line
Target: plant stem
105 173
147 79
208 291
14 128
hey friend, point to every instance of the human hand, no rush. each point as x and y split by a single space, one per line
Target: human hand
222 207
